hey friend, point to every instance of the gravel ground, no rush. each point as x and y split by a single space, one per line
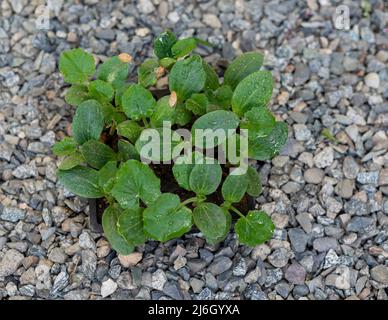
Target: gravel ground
327 193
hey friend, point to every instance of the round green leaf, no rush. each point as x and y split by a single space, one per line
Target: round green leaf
211 220
266 148
114 71
76 94
183 47
127 151
107 176
205 177
220 122
182 168
82 181
88 121
234 187
101 89
228 217
259 122
163 112
212 81
71 161
255 228
65 147
146 72
109 225
135 181
97 154
253 91
220 99
76 65
187 77
163 44
254 182
183 116
197 104
130 130
138 102
130 226
241 67
166 219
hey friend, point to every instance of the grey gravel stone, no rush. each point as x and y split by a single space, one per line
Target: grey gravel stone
11 214
220 265
380 274
295 273
325 244
298 239
10 262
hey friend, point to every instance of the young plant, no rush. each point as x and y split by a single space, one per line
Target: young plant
103 157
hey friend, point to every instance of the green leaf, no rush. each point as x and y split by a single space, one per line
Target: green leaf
130 226
234 187
135 182
253 91
163 112
71 161
65 147
107 175
76 94
111 114
163 44
183 47
187 77
157 144
109 225
266 148
220 122
138 102
167 62
255 228
259 122
205 177
99 88
211 220
228 217
146 72
114 71
82 181
88 122
212 81
97 154
130 130
241 67
197 104
76 65
183 167
221 97
183 116
254 182
119 95
166 219
127 151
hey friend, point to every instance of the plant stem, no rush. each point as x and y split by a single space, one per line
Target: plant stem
112 129
187 201
236 211
146 124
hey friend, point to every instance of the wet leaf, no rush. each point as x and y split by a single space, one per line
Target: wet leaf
166 219
256 228
82 181
135 181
